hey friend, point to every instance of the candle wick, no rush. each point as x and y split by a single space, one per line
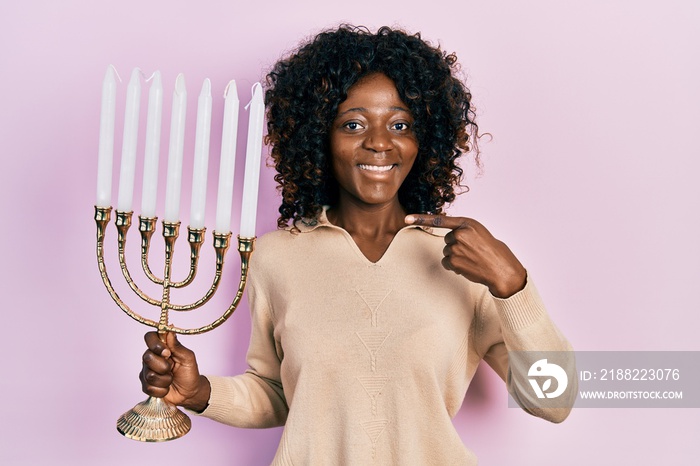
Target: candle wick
252 93
116 72
228 87
150 77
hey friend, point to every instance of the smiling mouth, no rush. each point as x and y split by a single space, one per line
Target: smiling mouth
376 168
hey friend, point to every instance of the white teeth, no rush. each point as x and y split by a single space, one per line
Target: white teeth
376 168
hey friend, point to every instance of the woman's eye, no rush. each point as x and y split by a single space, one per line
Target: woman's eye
352 125
401 126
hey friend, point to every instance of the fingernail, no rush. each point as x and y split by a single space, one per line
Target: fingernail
410 219
165 353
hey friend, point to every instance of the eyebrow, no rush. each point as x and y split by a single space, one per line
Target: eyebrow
363 109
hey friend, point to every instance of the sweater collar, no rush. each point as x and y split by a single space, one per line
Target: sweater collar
306 225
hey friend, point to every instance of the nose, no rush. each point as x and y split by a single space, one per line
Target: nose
378 139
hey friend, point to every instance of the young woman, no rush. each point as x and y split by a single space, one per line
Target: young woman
370 310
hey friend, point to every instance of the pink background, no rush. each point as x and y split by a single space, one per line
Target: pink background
591 178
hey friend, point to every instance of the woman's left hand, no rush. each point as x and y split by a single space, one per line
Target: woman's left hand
472 251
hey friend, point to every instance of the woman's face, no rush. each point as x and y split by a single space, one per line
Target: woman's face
372 143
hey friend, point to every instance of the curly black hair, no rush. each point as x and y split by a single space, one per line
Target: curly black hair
302 97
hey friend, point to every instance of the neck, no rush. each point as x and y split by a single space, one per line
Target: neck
368 221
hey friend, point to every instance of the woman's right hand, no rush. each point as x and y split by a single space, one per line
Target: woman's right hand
170 372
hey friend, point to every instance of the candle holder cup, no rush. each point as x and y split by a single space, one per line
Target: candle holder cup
154 419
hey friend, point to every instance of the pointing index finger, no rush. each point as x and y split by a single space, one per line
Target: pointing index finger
438 221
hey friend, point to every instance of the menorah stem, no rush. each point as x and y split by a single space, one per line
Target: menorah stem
171 230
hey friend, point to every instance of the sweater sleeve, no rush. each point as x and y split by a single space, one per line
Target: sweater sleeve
521 324
256 398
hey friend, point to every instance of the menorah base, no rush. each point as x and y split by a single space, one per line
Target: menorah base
154 420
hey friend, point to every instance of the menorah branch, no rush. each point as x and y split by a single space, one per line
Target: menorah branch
102 217
123 223
147 226
245 249
195 236
221 245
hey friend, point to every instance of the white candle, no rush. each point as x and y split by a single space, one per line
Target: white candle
106 147
177 141
131 132
252 163
201 157
150 165
227 163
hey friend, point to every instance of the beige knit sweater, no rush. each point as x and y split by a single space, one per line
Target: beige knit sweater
366 363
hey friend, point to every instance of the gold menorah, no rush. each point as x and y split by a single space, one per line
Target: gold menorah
154 419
